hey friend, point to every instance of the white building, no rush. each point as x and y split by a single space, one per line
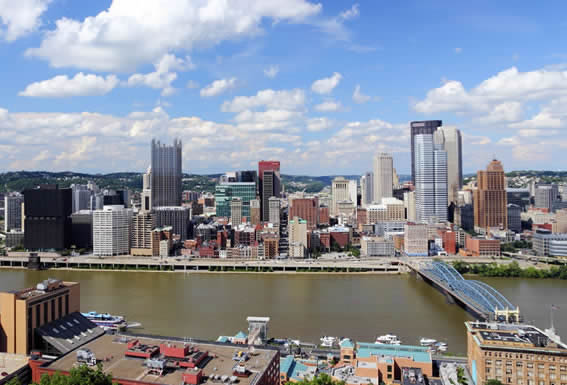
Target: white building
297 237
383 176
274 206
409 204
13 212
111 231
236 211
376 247
453 147
431 197
416 239
342 190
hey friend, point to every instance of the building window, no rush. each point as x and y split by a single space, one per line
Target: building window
389 368
44 313
37 315
53 309
66 304
60 306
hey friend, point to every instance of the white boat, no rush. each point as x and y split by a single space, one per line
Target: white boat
328 342
441 346
427 341
388 339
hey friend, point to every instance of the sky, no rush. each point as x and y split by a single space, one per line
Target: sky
319 85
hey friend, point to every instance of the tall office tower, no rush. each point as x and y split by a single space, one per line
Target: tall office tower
342 190
224 193
546 195
13 212
453 146
269 184
409 205
514 213
146 196
426 127
246 176
305 208
297 237
47 213
97 201
430 162
255 212
166 171
81 197
367 188
490 202
274 206
383 176
235 211
111 231
175 216
141 239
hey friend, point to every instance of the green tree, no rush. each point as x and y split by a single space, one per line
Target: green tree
322 379
14 381
82 375
493 382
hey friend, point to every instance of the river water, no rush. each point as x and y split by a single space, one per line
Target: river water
301 306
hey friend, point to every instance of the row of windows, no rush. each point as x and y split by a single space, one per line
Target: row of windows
532 357
42 317
520 364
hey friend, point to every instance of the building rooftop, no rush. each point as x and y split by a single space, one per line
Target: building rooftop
42 288
110 351
416 353
515 336
10 363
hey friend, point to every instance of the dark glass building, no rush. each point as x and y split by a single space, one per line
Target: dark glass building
47 218
82 230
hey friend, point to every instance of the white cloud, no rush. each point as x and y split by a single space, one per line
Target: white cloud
358 96
80 85
458 50
218 87
163 76
329 106
326 85
319 124
20 17
272 71
284 99
351 13
134 32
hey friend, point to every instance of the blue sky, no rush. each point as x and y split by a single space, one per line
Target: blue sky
321 86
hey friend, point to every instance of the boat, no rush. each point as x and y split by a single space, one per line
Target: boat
328 342
106 321
388 339
441 346
427 341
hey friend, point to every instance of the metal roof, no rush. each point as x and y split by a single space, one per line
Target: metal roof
69 332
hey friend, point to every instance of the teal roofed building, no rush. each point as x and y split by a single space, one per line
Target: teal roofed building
294 371
416 353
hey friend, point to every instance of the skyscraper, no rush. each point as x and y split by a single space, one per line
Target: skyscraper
342 190
367 188
490 201
13 212
383 176
430 160
269 184
427 127
111 230
546 195
166 171
453 146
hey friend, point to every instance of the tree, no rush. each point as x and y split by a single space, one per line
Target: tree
14 381
82 375
493 382
321 379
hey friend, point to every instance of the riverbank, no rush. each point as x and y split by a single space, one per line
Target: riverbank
511 270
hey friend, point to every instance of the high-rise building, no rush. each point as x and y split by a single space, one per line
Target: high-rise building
453 146
13 212
166 173
427 127
82 229
142 225
383 176
430 161
274 205
47 213
490 200
255 212
342 190
514 218
81 197
224 193
146 196
305 208
297 237
111 231
519 196
236 211
367 188
269 184
409 204
560 221
545 196
175 216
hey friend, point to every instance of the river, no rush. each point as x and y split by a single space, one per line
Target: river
301 306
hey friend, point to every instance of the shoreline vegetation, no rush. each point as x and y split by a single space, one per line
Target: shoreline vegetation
511 270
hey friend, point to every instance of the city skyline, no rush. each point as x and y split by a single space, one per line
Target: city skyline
322 87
